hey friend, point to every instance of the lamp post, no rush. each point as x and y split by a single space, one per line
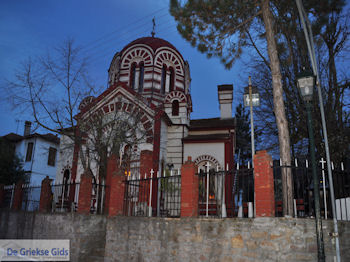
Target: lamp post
306 83
251 98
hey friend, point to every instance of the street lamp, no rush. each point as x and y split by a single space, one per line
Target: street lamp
306 83
251 98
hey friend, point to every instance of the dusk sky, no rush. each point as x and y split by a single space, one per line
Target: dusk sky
101 28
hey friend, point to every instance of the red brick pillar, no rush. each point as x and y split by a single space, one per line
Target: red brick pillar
17 198
115 188
264 185
85 191
2 195
45 195
189 189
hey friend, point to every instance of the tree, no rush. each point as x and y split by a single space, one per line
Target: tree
293 55
11 167
219 28
56 89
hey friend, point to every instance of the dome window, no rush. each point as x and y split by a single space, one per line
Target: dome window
141 77
175 108
163 81
133 75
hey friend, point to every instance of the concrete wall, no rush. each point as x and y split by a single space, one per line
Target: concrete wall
97 238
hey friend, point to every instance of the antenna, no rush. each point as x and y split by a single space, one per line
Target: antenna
154 27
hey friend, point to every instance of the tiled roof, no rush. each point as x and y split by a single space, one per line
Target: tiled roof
153 42
48 137
211 137
212 123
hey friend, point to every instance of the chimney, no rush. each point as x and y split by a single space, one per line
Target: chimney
27 126
225 95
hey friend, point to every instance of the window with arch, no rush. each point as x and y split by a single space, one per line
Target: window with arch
133 75
163 81
175 108
66 177
172 79
141 77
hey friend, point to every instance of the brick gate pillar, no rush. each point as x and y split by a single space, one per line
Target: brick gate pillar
189 189
18 195
45 195
85 192
115 188
264 185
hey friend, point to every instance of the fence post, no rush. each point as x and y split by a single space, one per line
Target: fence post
189 189
45 195
85 192
264 185
115 188
17 199
2 195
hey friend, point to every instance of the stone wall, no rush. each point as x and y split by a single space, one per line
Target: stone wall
87 233
98 238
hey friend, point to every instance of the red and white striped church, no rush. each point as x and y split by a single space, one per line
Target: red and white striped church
152 73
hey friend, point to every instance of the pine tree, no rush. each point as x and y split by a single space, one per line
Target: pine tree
221 28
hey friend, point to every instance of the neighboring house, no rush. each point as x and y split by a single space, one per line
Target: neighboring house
150 74
38 153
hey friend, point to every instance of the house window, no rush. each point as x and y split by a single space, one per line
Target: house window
175 108
172 79
52 156
142 73
132 75
163 83
29 151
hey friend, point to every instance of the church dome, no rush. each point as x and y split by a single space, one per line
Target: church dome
152 42
152 67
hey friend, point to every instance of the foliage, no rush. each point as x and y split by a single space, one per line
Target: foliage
55 87
11 170
330 29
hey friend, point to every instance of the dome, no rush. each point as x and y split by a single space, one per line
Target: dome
152 42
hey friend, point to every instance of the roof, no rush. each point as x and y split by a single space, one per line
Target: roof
211 137
153 42
48 137
212 123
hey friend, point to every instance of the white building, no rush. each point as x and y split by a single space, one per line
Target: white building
38 153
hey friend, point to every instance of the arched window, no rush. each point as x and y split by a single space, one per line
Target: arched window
66 176
172 79
175 108
141 77
132 75
163 81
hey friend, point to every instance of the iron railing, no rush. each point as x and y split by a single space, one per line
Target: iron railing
303 190
30 197
227 193
154 195
9 192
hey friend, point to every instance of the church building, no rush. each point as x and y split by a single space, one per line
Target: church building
150 74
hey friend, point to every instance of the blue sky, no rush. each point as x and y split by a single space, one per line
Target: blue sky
101 28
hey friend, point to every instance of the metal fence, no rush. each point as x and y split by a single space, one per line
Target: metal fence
65 197
303 189
227 193
9 192
154 195
30 197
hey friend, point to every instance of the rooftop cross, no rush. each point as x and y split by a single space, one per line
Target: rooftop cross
154 27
